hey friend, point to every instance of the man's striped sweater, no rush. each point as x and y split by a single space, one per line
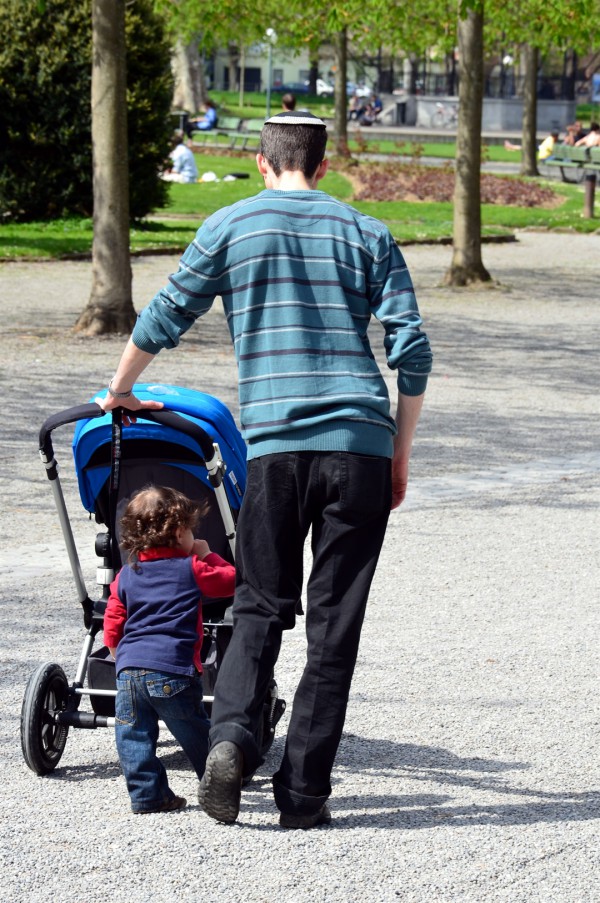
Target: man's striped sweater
300 275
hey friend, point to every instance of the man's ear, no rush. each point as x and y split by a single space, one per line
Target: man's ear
261 163
322 170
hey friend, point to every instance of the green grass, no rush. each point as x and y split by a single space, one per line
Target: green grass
432 221
174 227
495 153
255 104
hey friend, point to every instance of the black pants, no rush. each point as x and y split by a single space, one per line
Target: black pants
345 499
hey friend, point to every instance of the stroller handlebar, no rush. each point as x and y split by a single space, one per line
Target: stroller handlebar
92 410
70 415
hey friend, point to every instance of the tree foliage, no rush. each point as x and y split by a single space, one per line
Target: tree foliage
45 116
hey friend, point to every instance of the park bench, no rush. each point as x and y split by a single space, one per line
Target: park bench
250 133
228 128
570 160
583 164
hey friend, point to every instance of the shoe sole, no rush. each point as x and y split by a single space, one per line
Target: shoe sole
221 787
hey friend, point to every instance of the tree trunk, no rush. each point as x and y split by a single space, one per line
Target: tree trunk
313 73
340 45
234 59
529 133
110 308
242 88
190 87
467 265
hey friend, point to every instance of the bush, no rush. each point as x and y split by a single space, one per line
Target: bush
45 113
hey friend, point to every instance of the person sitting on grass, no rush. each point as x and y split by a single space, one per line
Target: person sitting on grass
183 163
153 628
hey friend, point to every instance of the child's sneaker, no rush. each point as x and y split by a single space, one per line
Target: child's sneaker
172 805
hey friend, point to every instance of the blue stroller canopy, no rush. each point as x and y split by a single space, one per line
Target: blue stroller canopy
206 411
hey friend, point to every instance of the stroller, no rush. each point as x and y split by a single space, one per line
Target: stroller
192 445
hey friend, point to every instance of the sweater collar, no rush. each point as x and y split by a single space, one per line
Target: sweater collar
161 552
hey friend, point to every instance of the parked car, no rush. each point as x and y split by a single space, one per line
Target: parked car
324 89
291 88
359 90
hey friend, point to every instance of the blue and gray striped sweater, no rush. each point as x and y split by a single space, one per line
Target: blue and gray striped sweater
300 275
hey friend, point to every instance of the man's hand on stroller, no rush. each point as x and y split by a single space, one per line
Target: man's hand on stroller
130 405
132 364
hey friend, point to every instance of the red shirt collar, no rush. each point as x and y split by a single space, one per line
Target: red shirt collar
161 552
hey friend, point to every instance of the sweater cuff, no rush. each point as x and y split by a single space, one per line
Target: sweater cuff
412 383
142 340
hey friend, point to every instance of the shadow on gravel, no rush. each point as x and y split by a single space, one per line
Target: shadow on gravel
409 762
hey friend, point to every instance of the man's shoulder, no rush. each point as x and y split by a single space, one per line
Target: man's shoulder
321 203
225 214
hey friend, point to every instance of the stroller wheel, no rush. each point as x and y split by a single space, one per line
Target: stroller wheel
42 739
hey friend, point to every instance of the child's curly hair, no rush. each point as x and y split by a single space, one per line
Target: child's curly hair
154 515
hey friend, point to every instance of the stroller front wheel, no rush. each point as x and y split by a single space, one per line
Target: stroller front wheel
42 738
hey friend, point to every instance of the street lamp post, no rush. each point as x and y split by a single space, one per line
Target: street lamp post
271 37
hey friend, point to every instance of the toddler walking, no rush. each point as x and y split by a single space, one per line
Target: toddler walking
153 628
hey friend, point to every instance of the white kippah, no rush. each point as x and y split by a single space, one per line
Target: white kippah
293 118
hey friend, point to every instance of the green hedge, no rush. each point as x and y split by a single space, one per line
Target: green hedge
45 115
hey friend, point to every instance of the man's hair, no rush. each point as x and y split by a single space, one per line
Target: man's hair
594 127
289 148
154 515
288 102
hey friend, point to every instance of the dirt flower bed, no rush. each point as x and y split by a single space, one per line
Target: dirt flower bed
412 182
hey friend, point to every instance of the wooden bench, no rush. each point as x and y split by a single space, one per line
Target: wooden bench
583 164
249 134
570 160
228 127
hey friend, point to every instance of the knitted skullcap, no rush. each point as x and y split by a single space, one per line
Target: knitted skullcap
295 118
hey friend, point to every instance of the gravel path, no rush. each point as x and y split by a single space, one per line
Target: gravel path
469 767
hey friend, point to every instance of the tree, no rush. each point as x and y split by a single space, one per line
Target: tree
190 86
45 115
531 57
110 308
467 265
538 26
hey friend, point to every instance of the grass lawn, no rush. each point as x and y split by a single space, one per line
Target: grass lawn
174 227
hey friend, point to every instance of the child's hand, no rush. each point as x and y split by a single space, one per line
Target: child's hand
201 548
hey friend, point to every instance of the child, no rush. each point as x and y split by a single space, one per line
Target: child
153 628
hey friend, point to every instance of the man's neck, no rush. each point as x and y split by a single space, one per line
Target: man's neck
293 181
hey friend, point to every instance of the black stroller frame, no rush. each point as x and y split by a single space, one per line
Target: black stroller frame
51 705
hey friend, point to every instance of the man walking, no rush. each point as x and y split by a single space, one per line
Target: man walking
300 275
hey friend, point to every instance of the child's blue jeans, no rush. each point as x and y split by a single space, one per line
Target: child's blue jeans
143 698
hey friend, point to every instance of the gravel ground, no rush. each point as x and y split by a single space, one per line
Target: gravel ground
468 770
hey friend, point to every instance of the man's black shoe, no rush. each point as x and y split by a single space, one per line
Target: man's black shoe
322 817
221 785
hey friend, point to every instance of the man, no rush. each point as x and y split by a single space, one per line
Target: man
592 139
183 162
575 131
288 102
300 275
